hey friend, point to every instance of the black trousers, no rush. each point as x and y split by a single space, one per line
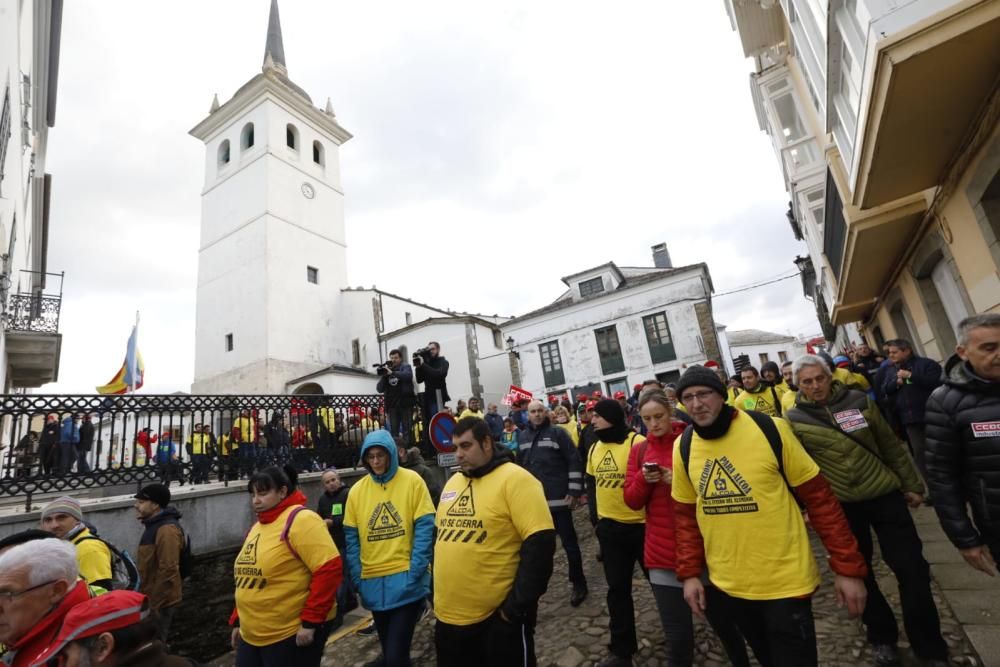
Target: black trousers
490 643
395 632
285 652
678 629
902 551
563 520
780 632
621 547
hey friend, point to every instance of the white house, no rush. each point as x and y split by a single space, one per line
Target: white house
29 294
615 326
763 346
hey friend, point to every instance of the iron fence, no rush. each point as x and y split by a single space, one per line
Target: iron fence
67 442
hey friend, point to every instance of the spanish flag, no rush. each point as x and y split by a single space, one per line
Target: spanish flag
130 377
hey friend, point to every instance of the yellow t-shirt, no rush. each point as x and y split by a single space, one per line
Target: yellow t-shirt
756 545
607 465
763 401
850 379
272 585
93 557
570 428
469 413
788 401
481 524
384 516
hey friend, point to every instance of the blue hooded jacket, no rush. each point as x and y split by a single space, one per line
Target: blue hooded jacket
394 590
70 431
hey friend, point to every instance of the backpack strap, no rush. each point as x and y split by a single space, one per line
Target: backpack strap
766 424
686 448
288 527
777 402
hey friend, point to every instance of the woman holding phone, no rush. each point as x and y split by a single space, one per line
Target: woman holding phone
647 486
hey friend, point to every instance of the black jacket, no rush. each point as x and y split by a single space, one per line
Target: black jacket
397 385
326 509
910 397
86 436
49 434
547 452
434 374
415 462
963 455
495 422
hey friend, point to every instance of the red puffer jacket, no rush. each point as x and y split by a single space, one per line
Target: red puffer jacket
661 544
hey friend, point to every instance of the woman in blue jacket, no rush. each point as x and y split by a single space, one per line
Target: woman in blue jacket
389 529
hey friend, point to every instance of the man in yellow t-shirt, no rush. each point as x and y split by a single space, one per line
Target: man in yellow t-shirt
734 473
757 395
63 517
493 556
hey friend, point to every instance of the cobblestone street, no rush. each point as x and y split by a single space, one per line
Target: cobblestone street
568 637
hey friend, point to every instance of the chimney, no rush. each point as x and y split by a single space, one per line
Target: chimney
661 256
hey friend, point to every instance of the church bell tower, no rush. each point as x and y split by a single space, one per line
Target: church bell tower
271 255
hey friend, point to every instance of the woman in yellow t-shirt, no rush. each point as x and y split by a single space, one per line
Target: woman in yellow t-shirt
620 529
286 575
567 423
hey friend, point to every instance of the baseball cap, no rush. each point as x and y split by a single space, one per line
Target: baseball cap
105 613
591 405
596 394
637 387
619 394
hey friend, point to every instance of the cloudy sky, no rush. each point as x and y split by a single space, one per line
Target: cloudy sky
546 137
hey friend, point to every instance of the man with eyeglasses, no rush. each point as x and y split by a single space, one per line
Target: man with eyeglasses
39 584
735 473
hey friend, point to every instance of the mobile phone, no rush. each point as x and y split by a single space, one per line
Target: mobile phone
651 466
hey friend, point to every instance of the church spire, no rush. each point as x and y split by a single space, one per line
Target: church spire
274 50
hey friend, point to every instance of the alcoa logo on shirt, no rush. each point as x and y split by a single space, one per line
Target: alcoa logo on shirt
608 475
723 490
465 528
385 523
760 405
248 576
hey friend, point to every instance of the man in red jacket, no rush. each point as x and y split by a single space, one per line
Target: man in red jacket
734 475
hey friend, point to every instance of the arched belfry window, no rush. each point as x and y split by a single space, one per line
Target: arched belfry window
246 137
318 157
224 153
291 137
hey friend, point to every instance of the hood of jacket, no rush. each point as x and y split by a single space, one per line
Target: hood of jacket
381 438
959 374
169 514
501 455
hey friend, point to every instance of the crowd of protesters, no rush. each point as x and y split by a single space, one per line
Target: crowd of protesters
709 486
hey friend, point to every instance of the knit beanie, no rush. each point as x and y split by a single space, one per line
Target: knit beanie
63 505
699 376
611 410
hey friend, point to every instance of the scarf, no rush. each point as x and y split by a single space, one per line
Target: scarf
296 498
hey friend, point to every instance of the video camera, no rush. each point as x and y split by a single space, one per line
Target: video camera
421 355
384 368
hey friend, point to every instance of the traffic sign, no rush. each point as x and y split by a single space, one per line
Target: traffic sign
441 427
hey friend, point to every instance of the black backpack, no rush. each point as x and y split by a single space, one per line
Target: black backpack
124 571
186 561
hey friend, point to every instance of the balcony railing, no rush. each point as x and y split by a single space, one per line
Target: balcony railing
35 311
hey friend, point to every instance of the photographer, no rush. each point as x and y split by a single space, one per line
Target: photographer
396 383
432 370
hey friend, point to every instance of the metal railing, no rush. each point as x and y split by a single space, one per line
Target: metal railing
35 311
65 442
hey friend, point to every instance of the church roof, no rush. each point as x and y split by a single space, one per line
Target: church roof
275 46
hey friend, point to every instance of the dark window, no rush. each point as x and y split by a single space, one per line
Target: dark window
782 356
246 137
229 342
356 352
834 229
609 350
224 152
409 319
291 136
669 377
552 368
318 153
312 275
619 384
763 358
497 339
4 129
592 286
661 346
990 201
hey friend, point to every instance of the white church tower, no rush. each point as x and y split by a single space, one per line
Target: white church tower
271 258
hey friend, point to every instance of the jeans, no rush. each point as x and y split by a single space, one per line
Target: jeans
164 616
621 547
678 629
248 457
395 632
562 517
430 408
400 419
199 468
917 436
902 551
285 652
67 457
780 632
490 643
47 456
81 460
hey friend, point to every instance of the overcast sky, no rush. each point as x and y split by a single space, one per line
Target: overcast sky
497 147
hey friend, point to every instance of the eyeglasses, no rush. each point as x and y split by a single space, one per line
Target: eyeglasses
6 597
700 395
376 455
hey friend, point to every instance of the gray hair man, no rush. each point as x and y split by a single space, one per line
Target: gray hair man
963 443
39 584
872 475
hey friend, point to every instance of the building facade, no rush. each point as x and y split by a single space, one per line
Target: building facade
615 327
883 116
30 294
761 347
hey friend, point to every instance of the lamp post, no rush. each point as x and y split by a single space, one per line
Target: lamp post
514 359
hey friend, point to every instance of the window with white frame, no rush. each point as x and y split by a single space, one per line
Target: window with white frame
791 135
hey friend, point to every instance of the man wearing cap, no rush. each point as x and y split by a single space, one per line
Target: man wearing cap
64 519
38 587
159 553
734 474
113 629
545 450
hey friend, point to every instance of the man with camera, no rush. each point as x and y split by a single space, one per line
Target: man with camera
396 383
432 370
